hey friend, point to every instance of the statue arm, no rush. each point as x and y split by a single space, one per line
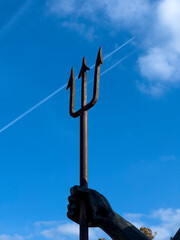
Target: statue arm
120 229
100 214
177 235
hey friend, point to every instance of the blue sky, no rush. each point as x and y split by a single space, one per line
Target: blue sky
134 131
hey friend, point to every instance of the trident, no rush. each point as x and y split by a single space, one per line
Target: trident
82 112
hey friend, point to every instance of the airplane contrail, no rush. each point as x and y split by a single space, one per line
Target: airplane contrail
62 87
116 50
15 17
33 108
117 63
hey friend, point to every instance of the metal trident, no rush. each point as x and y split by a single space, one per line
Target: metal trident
82 112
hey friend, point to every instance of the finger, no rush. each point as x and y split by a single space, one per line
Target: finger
71 207
72 199
73 216
76 190
75 197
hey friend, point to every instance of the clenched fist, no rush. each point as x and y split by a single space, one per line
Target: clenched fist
98 208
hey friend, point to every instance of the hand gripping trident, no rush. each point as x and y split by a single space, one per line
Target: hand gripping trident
82 112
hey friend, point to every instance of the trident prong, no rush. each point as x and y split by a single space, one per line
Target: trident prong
84 68
99 61
71 85
82 112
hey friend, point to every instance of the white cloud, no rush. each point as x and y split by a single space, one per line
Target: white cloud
14 237
168 222
134 218
156 24
169 16
156 64
47 223
116 11
128 13
56 230
64 229
81 28
156 90
160 63
69 230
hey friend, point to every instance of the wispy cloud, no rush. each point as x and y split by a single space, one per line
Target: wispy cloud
47 223
160 62
156 24
59 230
117 12
81 28
68 229
168 222
56 230
14 237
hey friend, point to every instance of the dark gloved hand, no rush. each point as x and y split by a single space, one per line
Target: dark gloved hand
98 208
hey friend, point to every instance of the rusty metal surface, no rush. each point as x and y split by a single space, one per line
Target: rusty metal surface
82 113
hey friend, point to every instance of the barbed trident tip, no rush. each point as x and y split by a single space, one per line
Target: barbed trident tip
71 85
82 112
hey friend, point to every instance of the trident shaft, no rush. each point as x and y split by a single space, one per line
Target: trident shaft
82 113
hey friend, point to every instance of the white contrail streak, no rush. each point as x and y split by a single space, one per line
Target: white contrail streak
33 108
117 63
116 50
62 87
114 65
15 17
